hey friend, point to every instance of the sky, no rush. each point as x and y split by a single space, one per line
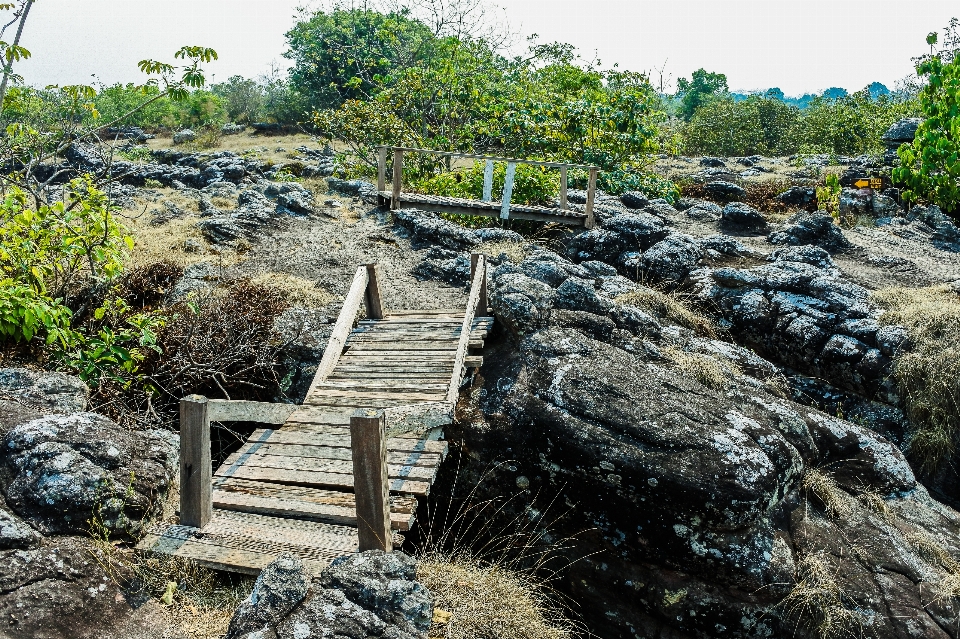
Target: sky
798 45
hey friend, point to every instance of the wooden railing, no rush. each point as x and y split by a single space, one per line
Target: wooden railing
368 427
397 182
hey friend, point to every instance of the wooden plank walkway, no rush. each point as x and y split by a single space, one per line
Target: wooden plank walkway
463 206
291 488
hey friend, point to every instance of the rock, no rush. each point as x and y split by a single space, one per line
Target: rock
186 135
428 228
712 162
445 266
740 216
885 206
495 234
577 294
855 202
47 391
798 196
625 232
705 212
232 129
634 200
521 302
724 190
220 230
901 132
304 333
672 259
369 595
817 229
132 133
197 278
279 588
14 533
59 471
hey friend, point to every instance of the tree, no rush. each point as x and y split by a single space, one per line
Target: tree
700 89
242 98
14 52
930 165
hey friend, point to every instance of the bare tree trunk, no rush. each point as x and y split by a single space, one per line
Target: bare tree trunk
16 42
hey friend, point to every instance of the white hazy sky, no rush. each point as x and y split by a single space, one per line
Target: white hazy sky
798 45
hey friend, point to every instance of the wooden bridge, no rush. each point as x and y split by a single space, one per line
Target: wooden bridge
345 470
504 208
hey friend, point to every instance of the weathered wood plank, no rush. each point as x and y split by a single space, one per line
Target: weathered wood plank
479 276
306 434
371 485
473 361
328 480
313 464
222 410
335 453
371 299
403 504
405 395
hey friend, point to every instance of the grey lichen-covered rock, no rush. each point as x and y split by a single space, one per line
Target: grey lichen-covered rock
634 200
635 231
186 135
672 259
444 265
817 229
798 196
724 190
704 211
427 228
522 303
742 217
49 391
279 588
59 471
369 595
577 294
15 533
901 131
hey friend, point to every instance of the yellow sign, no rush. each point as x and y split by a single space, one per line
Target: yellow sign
874 183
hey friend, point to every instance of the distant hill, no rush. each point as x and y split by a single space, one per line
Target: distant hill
876 89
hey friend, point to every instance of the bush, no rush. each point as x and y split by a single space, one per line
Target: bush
929 166
532 184
755 126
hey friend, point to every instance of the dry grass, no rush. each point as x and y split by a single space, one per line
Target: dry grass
488 602
514 251
818 602
928 373
669 307
248 140
298 291
164 243
824 488
706 369
948 586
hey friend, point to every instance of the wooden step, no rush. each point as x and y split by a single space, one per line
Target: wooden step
278 500
321 466
247 542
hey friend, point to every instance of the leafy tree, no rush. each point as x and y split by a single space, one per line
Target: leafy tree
347 53
930 165
241 97
756 125
702 87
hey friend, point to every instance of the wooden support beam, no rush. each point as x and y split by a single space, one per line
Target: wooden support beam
591 194
381 168
563 187
488 181
371 299
507 190
370 482
397 178
341 330
474 261
196 468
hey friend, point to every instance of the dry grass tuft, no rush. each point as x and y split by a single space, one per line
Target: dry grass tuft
825 488
488 601
298 291
164 243
875 502
669 307
928 373
514 251
706 369
948 586
818 601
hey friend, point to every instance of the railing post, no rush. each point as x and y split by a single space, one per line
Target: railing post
371 298
563 187
475 260
591 193
507 190
370 480
196 469
397 178
381 169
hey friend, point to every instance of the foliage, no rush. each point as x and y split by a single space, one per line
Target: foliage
114 101
24 314
755 126
242 98
532 184
930 166
346 54
828 195
700 89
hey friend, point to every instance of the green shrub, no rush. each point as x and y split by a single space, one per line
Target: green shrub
532 184
828 195
25 314
930 167
755 126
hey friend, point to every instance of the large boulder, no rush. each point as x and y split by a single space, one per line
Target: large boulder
427 228
671 260
635 231
186 135
817 229
901 132
798 196
369 595
62 472
45 390
738 216
724 190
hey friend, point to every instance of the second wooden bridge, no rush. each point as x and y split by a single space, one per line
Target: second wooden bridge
345 470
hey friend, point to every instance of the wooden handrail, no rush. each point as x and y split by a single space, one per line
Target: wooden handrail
476 286
226 410
341 330
495 158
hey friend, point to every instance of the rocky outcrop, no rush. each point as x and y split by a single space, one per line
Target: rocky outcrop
738 216
817 229
50 391
367 595
696 477
61 472
799 311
